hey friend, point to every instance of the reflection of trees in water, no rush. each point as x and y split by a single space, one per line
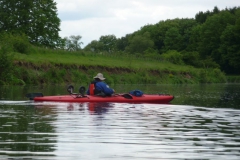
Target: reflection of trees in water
230 98
18 125
208 95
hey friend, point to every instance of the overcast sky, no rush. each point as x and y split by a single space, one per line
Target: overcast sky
92 19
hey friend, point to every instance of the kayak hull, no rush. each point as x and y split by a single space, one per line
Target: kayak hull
157 99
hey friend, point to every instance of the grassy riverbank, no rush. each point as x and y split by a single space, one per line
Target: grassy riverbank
44 66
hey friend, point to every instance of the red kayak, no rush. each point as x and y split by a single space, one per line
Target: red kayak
120 98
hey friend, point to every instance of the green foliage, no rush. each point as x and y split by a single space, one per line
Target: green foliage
210 34
105 44
6 67
152 54
109 43
171 34
191 58
15 42
37 19
95 46
201 17
26 76
209 63
73 43
233 79
230 48
218 75
173 57
211 39
140 43
210 76
203 76
122 43
172 37
62 67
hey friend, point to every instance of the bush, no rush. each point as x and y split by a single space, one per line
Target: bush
209 63
173 57
15 42
191 58
6 61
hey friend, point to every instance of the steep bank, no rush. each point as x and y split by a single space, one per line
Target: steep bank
60 73
45 66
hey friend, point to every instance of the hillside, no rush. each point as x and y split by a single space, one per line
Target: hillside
46 66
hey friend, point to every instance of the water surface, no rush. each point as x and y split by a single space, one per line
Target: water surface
202 122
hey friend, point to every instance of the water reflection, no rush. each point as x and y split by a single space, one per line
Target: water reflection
148 132
24 130
201 123
93 107
117 131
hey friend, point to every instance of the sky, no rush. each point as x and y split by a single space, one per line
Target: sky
92 19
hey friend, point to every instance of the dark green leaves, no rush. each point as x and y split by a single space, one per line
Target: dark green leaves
37 19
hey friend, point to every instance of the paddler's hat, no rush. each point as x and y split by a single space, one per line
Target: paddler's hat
99 76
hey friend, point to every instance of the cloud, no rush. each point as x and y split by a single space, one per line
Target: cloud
94 18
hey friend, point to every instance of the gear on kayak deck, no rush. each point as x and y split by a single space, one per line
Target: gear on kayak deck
70 89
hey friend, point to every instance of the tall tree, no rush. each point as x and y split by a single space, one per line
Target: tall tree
35 18
211 31
171 34
95 46
201 17
122 43
140 43
172 39
109 42
230 48
73 43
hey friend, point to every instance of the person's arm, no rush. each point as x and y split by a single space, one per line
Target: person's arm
106 89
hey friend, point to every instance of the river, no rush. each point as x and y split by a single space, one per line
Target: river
202 122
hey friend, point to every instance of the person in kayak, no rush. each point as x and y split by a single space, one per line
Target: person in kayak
99 87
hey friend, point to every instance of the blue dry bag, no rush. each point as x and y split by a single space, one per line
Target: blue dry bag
136 93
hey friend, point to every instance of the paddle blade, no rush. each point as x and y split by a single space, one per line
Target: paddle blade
127 96
31 96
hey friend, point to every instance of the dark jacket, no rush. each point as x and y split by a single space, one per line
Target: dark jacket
101 87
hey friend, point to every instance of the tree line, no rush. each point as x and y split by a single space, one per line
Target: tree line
210 40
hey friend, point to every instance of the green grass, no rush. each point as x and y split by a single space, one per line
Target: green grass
46 66
68 58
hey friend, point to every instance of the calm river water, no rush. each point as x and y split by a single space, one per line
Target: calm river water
202 122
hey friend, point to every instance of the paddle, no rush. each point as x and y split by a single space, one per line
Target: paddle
31 96
130 95
125 95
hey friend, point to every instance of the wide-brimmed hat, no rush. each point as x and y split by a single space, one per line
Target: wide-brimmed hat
100 76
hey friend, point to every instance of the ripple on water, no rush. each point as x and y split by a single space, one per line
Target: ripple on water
118 131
